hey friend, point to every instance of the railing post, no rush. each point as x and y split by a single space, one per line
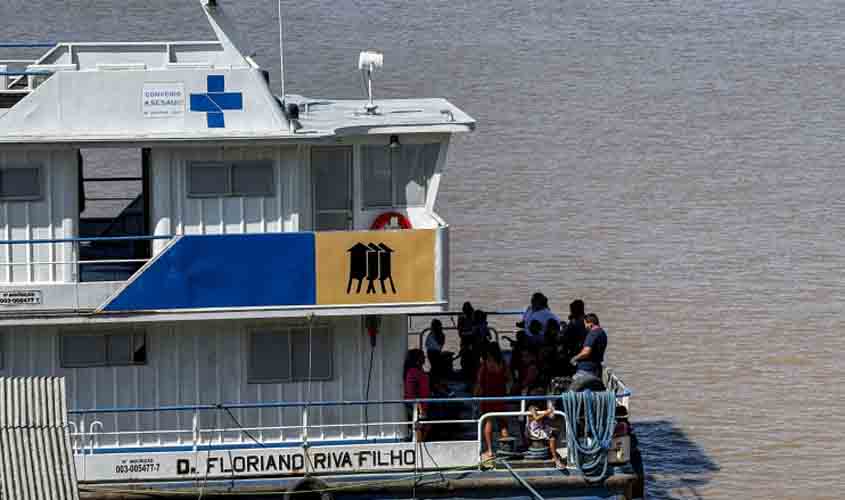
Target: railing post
82 435
81 441
479 433
74 432
95 437
195 429
305 426
197 438
75 270
415 418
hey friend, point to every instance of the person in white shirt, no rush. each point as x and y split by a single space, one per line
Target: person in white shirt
537 311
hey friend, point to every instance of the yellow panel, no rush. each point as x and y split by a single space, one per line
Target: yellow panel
375 267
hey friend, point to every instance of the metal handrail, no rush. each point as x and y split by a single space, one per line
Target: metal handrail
77 245
50 45
300 404
27 45
85 443
73 262
458 313
92 238
25 73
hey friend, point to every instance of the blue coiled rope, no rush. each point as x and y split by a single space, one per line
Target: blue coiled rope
589 455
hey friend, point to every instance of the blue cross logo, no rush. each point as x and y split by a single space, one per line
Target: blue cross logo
216 101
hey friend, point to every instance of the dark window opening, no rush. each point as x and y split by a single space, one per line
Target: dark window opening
113 203
80 350
283 355
20 182
230 179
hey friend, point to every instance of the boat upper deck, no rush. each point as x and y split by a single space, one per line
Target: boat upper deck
224 181
185 91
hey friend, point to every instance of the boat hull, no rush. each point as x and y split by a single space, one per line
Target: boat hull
549 483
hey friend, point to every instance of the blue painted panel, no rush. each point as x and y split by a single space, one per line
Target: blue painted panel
223 271
203 104
216 100
228 100
216 120
216 83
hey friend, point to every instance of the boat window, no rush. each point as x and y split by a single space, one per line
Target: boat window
20 183
413 166
378 176
397 176
240 178
331 174
2 350
252 178
103 349
269 357
321 354
208 179
283 355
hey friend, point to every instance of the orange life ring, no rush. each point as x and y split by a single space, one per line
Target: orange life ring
384 219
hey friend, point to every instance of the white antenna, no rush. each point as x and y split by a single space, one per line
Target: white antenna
282 50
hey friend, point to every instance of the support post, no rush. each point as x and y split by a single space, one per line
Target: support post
305 426
197 438
415 424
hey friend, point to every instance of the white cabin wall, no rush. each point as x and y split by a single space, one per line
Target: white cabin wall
206 363
174 212
54 216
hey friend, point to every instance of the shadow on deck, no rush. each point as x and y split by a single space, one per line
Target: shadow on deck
676 467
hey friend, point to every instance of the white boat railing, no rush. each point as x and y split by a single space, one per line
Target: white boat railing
70 262
162 54
87 431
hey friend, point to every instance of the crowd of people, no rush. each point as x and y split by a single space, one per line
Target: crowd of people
547 356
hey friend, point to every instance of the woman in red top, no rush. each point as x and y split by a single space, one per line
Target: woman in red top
493 378
416 387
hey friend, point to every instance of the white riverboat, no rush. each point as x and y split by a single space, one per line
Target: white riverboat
239 320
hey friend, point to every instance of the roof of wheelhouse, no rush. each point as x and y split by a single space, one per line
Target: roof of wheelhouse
95 93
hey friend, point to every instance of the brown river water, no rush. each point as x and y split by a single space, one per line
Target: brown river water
675 164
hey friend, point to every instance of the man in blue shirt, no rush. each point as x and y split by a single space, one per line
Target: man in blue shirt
589 361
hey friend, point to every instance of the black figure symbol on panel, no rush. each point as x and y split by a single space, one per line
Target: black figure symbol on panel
357 266
372 267
372 262
385 273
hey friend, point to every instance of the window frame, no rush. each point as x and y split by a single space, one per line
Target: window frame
38 168
133 334
229 166
288 333
393 177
